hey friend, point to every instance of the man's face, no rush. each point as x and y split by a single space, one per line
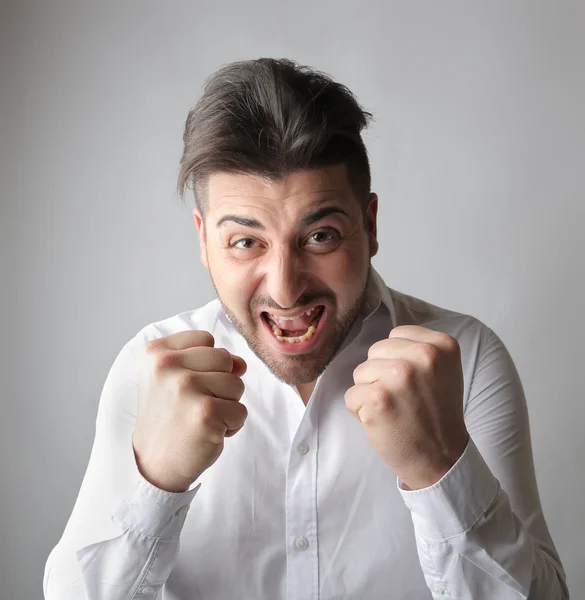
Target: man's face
289 262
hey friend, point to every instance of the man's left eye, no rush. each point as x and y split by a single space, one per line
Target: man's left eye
320 237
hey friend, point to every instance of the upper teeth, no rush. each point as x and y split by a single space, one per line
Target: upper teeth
307 312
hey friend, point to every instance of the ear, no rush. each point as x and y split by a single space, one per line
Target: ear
197 217
371 223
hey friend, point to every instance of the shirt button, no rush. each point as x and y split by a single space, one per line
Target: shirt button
147 590
302 543
438 589
303 448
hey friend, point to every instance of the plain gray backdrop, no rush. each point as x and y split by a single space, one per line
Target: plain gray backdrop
477 152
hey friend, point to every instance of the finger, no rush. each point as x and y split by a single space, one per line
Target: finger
239 365
221 385
416 333
231 432
370 371
390 348
231 414
354 398
182 340
204 359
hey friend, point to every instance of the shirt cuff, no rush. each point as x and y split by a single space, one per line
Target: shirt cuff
456 502
153 512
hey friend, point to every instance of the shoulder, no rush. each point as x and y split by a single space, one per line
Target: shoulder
204 318
470 331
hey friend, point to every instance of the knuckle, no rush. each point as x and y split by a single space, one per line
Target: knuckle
428 355
374 349
451 344
185 381
402 369
205 338
207 410
163 361
379 398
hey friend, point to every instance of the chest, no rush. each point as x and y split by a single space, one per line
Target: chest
299 506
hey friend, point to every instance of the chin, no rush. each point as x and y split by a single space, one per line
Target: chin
295 369
301 371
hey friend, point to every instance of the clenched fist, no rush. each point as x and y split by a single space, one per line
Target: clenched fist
188 402
409 397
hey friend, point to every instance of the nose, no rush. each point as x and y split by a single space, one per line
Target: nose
286 279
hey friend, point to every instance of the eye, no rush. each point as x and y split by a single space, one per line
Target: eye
243 244
323 237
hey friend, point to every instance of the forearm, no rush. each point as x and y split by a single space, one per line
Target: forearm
136 561
472 545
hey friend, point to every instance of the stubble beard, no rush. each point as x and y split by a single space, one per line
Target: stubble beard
303 368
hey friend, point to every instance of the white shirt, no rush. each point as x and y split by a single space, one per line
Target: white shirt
299 506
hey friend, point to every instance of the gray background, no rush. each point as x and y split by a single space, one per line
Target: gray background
477 155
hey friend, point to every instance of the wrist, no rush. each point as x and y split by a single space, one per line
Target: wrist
424 478
432 470
165 481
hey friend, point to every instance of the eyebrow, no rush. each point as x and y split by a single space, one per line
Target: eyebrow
244 221
321 214
307 220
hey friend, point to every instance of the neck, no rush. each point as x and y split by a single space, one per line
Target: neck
305 390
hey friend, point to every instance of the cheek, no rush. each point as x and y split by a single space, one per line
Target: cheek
343 273
346 268
235 281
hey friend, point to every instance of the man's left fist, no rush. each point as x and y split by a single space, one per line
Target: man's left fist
409 397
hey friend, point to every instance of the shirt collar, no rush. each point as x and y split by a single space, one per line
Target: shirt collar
377 299
378 294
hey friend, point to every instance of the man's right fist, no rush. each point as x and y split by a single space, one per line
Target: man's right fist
188 402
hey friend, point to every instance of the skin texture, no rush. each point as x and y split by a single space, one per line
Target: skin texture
285 264
188 402
263 255
408 395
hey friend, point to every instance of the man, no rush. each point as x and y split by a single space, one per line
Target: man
312 433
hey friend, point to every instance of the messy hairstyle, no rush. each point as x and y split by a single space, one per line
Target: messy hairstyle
272 117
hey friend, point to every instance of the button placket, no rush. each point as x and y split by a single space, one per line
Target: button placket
438 588
303 448
301 517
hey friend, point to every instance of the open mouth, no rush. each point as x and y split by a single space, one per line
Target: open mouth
297 329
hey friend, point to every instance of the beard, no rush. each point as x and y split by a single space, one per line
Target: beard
296 369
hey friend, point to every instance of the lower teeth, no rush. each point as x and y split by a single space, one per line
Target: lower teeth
294 339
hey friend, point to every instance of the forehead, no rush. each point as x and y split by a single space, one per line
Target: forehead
295 193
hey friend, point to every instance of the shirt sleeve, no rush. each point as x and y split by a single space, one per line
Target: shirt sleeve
480 530
122 537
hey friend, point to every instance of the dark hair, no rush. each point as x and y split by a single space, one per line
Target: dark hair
272 117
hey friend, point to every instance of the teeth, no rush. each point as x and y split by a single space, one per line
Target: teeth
295 339
308 335
307 312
